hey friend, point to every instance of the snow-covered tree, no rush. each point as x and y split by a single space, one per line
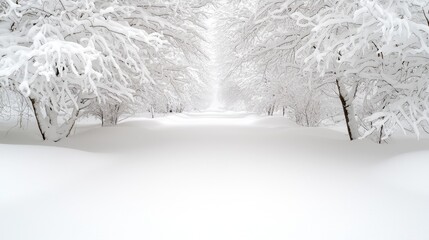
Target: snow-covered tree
375 50
372 53
64 54
265 72
399 96
176 70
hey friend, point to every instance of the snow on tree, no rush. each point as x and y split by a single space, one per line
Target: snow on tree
372 53
331 50
64 54
375 50
400 94
176 70
243 83
265 65
179 69
111 59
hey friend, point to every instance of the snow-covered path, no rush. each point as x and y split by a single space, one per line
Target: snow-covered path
212 176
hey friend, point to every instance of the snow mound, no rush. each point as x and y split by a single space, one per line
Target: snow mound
39 170
212 176
409 172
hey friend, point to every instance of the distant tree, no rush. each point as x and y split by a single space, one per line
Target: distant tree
177 69
262 54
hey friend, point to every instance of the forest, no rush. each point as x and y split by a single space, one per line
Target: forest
317 62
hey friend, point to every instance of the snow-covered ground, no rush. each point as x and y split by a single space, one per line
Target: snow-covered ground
220 176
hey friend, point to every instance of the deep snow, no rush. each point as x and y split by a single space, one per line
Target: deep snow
213 176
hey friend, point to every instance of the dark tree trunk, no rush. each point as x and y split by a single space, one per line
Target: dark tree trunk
349 115
48 125
37 116
271 110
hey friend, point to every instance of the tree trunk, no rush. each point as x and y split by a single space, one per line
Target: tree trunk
109 120
47 122
39 117
152 111
271 110
380 136
110 114
348 110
